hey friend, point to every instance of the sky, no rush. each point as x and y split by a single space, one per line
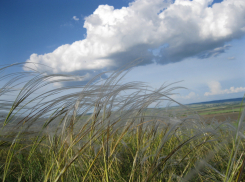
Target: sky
198 42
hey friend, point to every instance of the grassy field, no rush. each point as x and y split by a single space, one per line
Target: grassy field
96 132
221 111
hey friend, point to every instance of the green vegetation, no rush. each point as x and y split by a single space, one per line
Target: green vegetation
221 111
49 136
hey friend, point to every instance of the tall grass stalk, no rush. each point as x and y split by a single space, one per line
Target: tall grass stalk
235 148
105 131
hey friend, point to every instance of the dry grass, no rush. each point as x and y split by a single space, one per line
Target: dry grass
48 134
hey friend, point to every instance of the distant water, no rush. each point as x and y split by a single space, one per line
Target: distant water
219 101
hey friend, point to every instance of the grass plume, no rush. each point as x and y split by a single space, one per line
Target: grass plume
48 133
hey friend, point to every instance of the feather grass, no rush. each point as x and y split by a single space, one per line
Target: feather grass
104 131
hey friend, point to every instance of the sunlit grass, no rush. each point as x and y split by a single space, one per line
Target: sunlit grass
49 136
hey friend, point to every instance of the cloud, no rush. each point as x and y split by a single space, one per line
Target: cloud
231 58
216 89
68 24
213 53
191 95
75 18
178 30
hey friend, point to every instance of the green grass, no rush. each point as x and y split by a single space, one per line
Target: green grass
221 111
49 136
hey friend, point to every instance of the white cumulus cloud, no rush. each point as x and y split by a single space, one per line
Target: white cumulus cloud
216 89
75 18
117 36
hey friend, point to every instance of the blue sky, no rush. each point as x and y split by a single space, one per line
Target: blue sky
200 42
